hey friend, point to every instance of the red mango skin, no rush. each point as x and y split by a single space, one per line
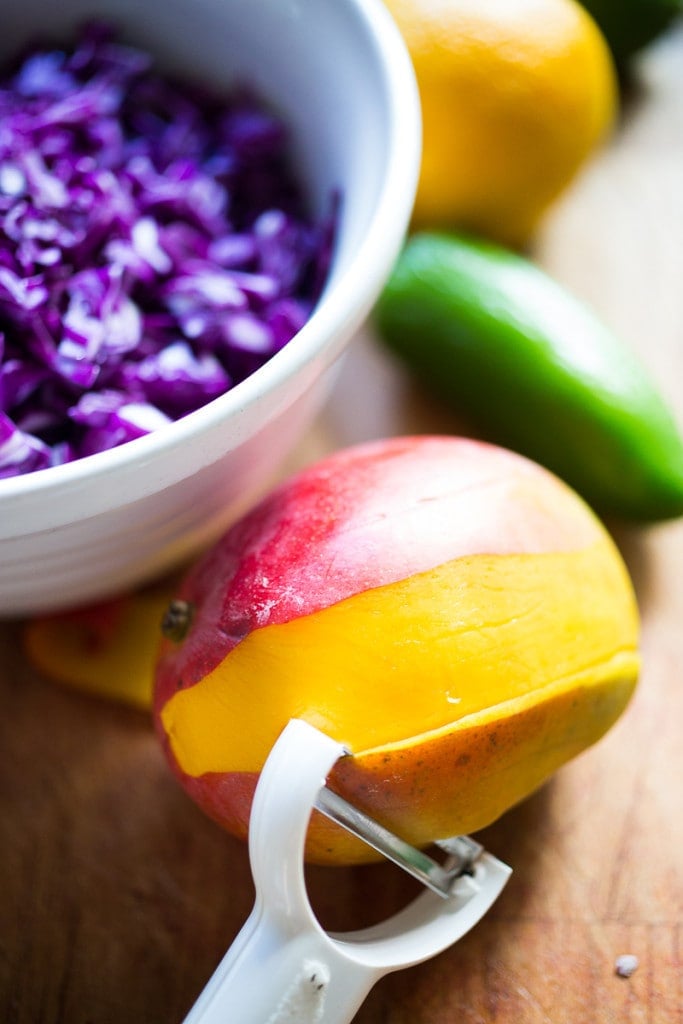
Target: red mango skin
364 518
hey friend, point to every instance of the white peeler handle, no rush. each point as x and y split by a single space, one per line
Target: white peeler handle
279 979
283 968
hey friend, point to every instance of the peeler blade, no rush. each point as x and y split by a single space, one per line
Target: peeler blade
462 851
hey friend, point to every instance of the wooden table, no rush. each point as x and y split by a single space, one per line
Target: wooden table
119 897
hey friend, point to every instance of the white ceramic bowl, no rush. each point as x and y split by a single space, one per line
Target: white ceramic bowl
338 72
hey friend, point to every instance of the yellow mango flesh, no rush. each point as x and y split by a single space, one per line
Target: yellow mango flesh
107 650
458 690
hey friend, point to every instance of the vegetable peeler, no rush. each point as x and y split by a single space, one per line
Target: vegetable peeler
283 967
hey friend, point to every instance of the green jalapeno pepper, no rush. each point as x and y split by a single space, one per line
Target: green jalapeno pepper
535 370
629 25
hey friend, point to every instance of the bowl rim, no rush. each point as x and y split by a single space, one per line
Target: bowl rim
345 300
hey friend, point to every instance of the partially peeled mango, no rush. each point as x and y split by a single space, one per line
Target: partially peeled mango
450 611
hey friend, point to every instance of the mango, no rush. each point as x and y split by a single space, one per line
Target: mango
449 610
107 649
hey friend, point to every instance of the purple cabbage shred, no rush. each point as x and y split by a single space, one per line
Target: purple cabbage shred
155 249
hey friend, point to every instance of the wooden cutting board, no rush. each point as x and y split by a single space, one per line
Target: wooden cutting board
119 897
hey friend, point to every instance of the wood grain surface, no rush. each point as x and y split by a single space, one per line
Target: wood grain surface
119 897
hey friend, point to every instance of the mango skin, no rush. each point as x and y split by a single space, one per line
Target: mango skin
451 611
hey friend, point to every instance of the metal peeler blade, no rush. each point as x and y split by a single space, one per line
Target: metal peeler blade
462 850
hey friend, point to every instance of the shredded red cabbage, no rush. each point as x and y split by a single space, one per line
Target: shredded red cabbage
154 249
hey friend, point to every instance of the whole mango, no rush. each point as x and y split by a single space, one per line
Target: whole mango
516 96
449 610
